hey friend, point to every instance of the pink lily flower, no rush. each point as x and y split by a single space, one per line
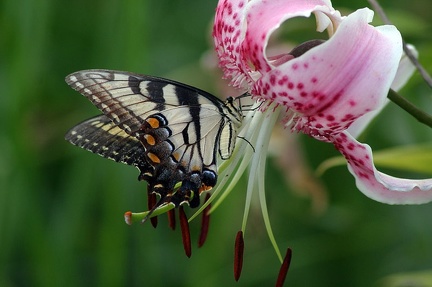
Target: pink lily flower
326 87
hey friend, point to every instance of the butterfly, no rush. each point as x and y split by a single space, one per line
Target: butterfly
172 132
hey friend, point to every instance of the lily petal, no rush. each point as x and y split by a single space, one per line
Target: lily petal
228 31
263 17
375 184
242 28
405 71
338 81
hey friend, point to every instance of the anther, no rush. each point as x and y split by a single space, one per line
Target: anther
238 255
205 221
171 219
284 268
184 225
304 47
151 202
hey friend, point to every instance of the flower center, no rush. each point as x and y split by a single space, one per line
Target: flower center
294 53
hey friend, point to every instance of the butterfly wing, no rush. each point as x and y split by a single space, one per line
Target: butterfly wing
179 126
101 136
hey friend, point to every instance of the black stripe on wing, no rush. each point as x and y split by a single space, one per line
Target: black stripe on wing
128 98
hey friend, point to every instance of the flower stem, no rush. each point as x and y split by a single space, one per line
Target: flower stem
418 114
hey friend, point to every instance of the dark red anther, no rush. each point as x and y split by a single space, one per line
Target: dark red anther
205 221
184 225
151 202
304 47
238 255
284 268
171 219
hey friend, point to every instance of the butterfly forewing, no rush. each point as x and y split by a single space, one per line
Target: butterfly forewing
177 129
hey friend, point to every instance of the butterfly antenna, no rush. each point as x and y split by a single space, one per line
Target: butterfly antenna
248 107
254 108
245 95
253 148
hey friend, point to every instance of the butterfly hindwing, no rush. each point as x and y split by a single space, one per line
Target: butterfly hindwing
178 126
101 136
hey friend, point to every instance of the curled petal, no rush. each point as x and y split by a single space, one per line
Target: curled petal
375 184
338 81
263 17
242 28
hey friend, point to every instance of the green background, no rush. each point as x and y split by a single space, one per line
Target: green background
61 208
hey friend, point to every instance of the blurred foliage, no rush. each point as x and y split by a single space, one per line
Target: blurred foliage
61 208
411 279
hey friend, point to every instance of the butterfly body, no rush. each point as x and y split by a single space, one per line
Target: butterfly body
170 131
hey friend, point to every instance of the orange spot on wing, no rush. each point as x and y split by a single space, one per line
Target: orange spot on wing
150 139
154 158
154 123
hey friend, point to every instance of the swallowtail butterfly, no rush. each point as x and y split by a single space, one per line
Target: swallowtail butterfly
170 131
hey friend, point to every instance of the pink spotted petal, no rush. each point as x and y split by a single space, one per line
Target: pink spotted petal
236 19
377 185
228 33
263 17
338 81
